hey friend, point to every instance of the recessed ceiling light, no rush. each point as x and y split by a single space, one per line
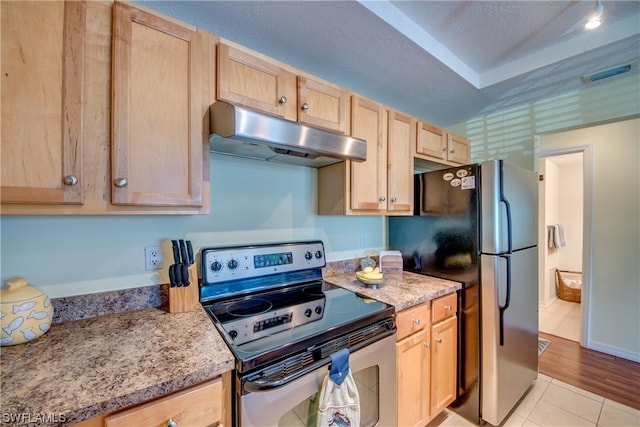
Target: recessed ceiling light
594 20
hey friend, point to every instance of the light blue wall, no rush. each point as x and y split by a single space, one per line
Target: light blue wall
251 202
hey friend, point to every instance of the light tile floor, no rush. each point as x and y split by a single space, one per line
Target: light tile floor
561 318
554 403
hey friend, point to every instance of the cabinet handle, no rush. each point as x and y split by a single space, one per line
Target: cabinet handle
305 106
172 423
120 182
438 340
70 180
452 151
427 345
283 100
445 149
382 198
447 307
417 322
393 200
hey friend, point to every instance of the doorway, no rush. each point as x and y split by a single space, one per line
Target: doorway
561 243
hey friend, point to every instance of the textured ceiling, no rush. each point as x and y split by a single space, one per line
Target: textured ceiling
441 61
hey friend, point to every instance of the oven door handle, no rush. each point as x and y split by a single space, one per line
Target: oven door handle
260 384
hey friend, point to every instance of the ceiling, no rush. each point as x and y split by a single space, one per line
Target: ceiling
441 61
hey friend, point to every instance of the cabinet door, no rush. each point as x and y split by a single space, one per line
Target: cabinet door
401 136
443 364
432 141
412 361
157 125
255 83
369 178
459 149
321 104
42 81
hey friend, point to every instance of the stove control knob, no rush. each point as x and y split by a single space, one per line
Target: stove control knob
308 255
318 254
308 312
232 264
233 334
318 309
216 266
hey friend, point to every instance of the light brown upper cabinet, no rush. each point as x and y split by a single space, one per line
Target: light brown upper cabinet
157 133
358 188
322 104
401 137
58 127
255 81
42 95
382 184
438 145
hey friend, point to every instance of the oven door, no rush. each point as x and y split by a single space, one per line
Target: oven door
295 404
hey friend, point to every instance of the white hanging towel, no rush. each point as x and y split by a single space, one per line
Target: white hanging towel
339 403
556 236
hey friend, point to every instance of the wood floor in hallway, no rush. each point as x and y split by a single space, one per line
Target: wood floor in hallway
608 376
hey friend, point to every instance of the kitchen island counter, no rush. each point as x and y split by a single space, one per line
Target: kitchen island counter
86 368
402 290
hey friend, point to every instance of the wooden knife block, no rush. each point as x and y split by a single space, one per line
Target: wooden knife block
185 298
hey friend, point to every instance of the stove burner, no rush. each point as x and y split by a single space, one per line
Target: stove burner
314 290
249 307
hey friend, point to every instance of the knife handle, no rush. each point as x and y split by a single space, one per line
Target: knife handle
190 259
183 252
185 274
176 253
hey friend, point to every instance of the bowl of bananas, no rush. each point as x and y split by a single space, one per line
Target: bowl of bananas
371 277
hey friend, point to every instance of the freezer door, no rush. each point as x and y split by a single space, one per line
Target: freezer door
509 207
509 321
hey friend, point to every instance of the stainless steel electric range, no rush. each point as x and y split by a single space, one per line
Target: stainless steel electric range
282 322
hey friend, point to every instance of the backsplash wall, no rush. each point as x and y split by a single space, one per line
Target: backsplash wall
251 202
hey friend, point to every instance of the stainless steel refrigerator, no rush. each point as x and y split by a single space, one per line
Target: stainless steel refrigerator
477 224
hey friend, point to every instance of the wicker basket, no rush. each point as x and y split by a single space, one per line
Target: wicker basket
566 292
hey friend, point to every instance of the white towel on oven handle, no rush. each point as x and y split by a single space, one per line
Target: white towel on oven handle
339 404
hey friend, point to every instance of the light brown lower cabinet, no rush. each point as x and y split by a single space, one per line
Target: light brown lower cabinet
204 404
426 357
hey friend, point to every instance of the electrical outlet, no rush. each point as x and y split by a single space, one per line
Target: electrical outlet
153 258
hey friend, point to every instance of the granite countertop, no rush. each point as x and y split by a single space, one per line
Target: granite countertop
402 290
85 368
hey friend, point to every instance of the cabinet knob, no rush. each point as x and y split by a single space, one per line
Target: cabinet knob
447 307
394 199
382 198
417 322
283 100
452 151
438 340
70 180
427 345
172 423
305 106
445 149
120 182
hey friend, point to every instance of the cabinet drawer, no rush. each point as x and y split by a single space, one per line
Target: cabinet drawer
444 307
200 405
412 320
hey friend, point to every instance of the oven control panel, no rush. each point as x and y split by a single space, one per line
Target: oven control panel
246 262
251 328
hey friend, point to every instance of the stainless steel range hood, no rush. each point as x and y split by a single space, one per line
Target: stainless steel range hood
242 132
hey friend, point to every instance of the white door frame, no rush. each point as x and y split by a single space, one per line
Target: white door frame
587 233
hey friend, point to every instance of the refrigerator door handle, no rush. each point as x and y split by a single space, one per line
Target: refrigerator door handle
507 300
507 205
